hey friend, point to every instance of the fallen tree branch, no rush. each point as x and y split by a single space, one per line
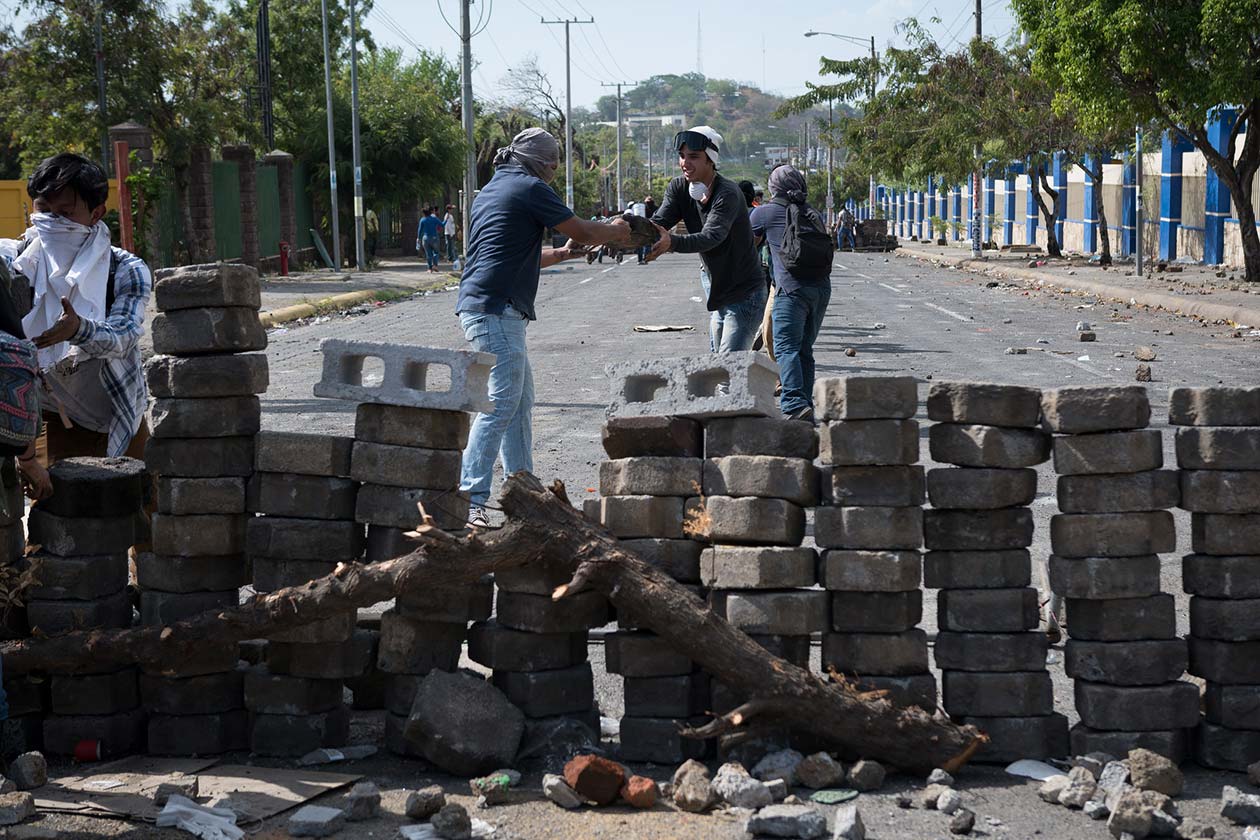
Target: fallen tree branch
543 526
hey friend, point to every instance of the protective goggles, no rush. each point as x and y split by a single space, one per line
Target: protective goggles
695 141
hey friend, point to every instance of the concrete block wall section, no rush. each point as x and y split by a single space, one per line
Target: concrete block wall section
204 415
1104 563
1218 451
989 649
84 532
870 535
649 492
302 500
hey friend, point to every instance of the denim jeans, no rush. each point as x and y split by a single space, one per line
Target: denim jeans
507 431
737 325
430 244
450 248
846 235
798 316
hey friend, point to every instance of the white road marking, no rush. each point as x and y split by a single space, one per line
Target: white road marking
587 280
841 267
951 313
865 276
890 288
606 270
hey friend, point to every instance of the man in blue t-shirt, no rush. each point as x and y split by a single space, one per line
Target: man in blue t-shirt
799 301
427 237
509 218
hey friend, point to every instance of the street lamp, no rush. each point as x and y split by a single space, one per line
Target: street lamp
853 39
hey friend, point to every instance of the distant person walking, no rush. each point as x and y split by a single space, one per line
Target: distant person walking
427 237
802 279
847 223
451 232
715 213
510 217
372 230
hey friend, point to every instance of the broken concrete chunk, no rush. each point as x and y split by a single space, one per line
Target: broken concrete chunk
558 791
693 790
29 771
595 778
425 802
866 775
1152 771
463 724
491 790
734 785
452 823
16 807
363 802
186 786
316 821
787 821
848 824
1238 807
1052 788
820 771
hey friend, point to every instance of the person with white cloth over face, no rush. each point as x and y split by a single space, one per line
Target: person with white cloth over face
87 311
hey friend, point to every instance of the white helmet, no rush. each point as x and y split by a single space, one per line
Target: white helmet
713 147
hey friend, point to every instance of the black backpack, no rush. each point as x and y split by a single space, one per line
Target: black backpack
807 250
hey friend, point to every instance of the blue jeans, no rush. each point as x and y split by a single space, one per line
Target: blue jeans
450 248
846 235
430 244
733 327
798 316
507 431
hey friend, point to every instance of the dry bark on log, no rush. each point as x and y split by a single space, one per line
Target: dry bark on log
543 527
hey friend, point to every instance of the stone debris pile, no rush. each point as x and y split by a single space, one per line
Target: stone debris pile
978 530
1218 451
203 418
84 531
872 532
1124 654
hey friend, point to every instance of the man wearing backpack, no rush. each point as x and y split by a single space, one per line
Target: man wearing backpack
86 315
802 252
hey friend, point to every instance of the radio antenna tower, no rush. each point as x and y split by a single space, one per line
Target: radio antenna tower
699 51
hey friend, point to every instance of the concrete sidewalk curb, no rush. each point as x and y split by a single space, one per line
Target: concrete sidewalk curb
337 303
1176 304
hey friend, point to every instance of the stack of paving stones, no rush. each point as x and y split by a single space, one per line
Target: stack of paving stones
759 479
1124 654
405 455
978 530
871 532
1218 451
306 499
651 481
203 418
83 533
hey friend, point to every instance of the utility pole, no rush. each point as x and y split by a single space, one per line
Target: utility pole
102 109
332 148
466 109
263 36
360 232
977 178
871 98
618 85
568 107
650 151
830 155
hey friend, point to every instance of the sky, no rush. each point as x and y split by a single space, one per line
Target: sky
635 39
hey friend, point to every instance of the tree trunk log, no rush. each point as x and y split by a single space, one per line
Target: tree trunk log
543 527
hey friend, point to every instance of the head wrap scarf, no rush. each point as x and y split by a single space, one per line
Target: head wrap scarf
533 149
788 183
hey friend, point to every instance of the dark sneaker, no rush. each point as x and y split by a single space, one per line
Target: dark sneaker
477 517
805 414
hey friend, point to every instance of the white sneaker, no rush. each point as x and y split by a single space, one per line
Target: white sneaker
477 517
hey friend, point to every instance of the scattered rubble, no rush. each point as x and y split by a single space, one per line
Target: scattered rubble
733 783
452 823
425 802
1143 373
29 771
186 787
640 792
1237 807
363 802
595 778
848 824
819 771
787 821
1152 771
949 801
940 777
962 822
316 821
491 790
558 791
16 807
779 765
866 776
693 790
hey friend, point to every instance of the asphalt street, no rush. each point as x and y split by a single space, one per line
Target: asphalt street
898 315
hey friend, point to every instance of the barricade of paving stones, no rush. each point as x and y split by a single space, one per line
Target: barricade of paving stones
649 485
1218 451
304 499
870 536
978 530
84 532
406 453
203 418
1124 654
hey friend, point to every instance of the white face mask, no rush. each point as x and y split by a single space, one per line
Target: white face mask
697 190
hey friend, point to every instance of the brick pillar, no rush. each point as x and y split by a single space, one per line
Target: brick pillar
1216 195
202 247
1174 146
1032 211
410 225
283 162
139 139
243 156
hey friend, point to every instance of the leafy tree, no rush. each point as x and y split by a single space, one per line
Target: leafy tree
1125 62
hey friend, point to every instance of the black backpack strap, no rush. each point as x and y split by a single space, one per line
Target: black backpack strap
110 292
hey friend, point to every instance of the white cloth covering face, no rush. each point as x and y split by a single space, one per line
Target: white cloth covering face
63 259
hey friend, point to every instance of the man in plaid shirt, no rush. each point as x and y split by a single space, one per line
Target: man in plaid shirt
87 317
